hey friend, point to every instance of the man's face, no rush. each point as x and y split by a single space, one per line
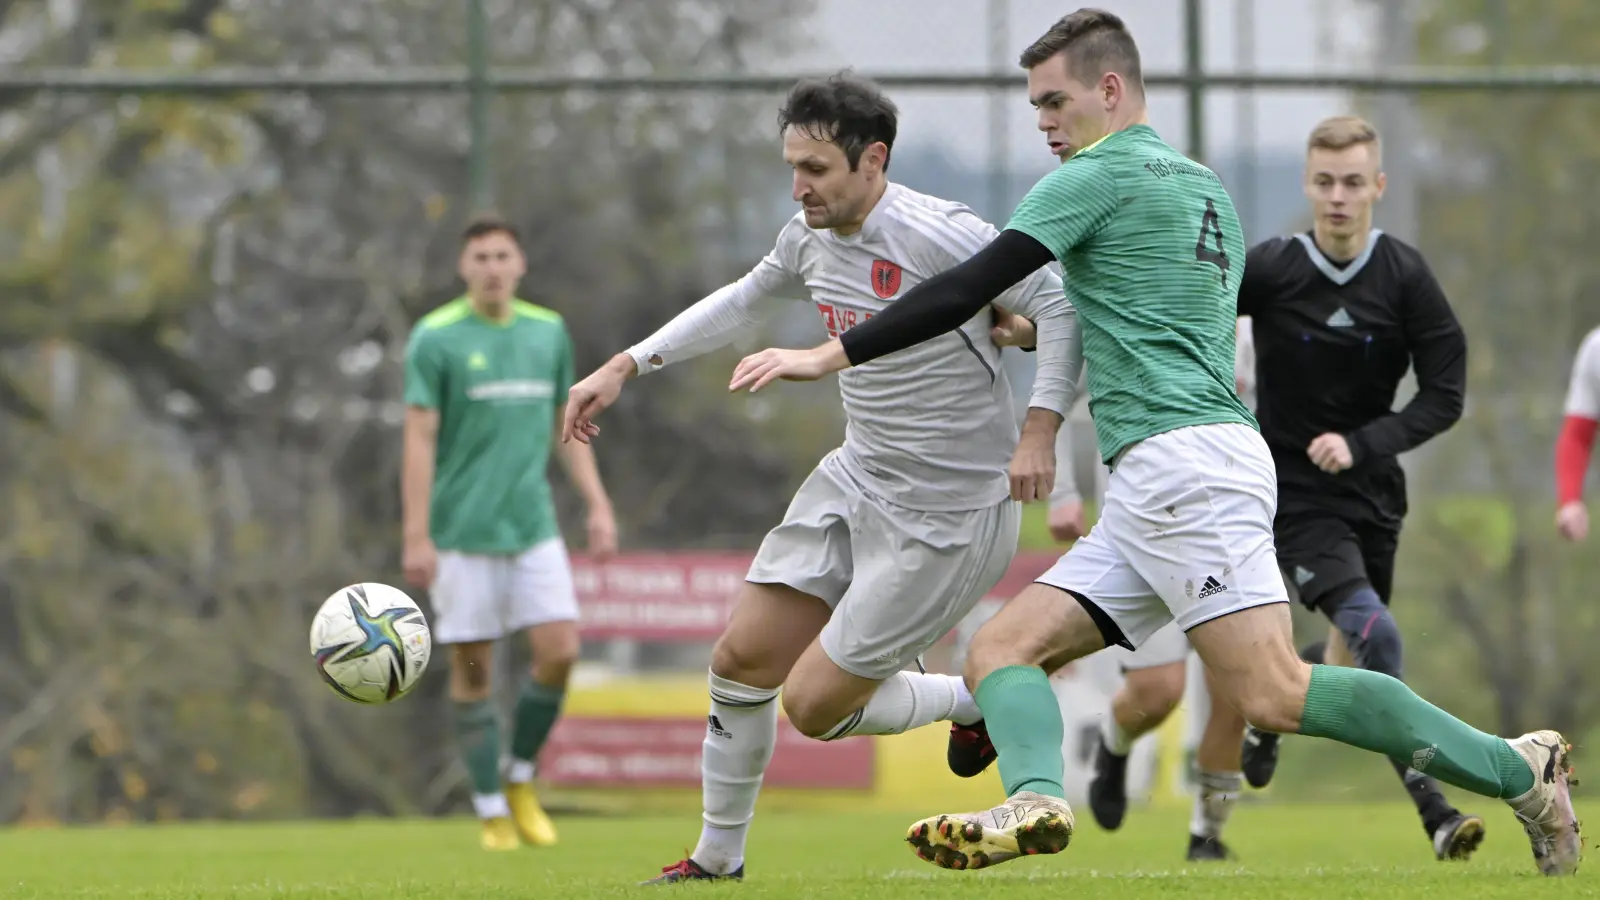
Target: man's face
829 193
1342 186
491 265
1072 115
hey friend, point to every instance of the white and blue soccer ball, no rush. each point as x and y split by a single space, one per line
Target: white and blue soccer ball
371 643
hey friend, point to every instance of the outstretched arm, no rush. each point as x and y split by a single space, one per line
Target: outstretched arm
711 323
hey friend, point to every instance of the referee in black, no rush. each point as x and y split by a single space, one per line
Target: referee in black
1337 316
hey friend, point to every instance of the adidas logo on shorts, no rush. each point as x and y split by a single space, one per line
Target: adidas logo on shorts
1212 586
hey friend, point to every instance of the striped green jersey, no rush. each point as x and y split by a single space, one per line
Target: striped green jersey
497 388
1152 253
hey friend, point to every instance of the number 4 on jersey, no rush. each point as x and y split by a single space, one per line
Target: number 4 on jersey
1211 233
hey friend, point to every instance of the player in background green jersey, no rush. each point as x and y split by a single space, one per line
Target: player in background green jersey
486 385
1151 254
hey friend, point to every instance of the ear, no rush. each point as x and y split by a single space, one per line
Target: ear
875 155
1382 181
1111 89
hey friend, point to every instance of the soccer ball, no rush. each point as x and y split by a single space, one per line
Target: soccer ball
371 643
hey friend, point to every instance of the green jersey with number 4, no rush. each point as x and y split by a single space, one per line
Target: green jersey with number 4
497 388
1152 253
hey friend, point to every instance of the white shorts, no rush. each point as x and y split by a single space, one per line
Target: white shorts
1185 533
479 597
1165 647
897 579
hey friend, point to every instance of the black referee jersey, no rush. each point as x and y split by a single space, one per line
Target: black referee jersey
1332 342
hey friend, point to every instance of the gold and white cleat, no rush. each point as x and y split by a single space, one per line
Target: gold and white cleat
1545 811
532 822
1028 824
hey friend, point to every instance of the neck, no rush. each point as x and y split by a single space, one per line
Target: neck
1127 117
854 225
1341 247
496 311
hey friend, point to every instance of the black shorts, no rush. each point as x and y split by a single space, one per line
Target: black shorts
1326 557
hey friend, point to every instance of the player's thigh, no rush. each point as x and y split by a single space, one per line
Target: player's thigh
1379 548
1320 553
917 575
1191 511
543 601
468 597
770 627
1097 577
1254 667
800 572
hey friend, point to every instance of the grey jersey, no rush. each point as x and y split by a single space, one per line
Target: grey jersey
932 427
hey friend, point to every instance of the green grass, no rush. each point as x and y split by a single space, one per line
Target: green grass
1325 853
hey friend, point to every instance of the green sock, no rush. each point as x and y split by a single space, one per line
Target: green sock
478 733
1378 713
1024 722
538 707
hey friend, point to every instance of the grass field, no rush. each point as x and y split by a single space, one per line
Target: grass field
1325 853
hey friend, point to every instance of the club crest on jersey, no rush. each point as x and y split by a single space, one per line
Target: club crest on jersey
885 278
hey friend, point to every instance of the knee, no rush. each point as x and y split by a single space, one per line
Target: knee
993 649
808 711
1276 703
738 663
1381 648
470 674
1155 692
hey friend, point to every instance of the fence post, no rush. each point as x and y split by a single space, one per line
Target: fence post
479 175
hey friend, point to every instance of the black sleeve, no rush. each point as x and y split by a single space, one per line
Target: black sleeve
1256 285
1438 349
947 300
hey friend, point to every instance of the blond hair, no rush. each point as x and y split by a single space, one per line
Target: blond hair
1341 132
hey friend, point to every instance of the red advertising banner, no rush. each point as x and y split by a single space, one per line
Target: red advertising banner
621 751
687 596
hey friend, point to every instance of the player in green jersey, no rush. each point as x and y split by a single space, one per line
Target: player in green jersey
1150 250
486 384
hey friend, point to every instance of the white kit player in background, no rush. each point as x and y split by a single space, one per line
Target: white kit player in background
1576 443
898 533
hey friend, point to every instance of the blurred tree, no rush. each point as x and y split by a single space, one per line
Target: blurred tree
206 301
1506 216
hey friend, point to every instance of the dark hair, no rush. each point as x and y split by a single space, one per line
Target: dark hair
1095 42
843 110
486 224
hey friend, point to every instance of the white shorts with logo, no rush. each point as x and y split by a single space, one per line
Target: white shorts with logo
1184 535
897 579
481 597
1167 646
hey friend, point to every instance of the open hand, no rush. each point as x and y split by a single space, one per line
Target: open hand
758 370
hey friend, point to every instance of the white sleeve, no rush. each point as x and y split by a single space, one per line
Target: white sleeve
1040 297
1059 343
717 320
1583 387
1066 490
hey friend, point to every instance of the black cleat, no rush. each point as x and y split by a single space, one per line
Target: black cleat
1259 756
1207 849
689 870
1108 789
1457 837
969 751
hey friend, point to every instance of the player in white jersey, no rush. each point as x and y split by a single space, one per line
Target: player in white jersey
1577 439
900 531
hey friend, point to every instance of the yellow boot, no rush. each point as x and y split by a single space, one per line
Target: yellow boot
499 833
533 823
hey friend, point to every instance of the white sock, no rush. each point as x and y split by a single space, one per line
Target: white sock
491 806
1117 740
520 771
908 700
1215 794
741 731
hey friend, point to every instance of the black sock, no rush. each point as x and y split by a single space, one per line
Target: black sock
1426 794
